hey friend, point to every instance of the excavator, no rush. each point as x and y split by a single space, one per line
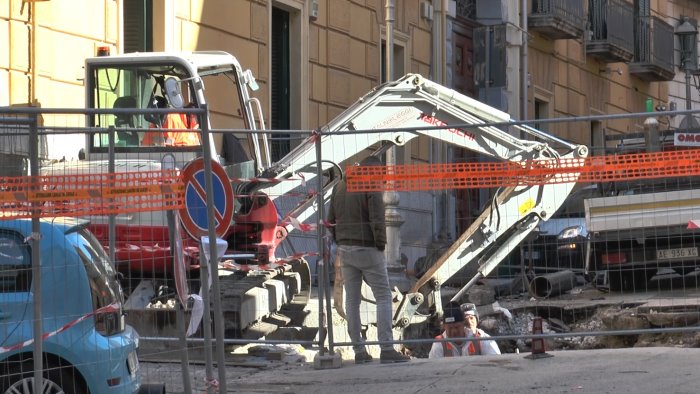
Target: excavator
132 94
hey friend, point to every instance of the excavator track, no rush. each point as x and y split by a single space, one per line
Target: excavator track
257 302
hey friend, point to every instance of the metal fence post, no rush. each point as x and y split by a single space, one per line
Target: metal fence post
36 253
326 295
112 220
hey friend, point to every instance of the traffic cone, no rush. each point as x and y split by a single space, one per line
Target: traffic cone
538 350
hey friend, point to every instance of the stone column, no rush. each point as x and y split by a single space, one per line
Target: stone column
392 253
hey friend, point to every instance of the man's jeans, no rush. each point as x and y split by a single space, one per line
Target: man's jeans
366 262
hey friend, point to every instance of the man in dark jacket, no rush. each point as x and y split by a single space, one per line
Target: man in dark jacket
360 232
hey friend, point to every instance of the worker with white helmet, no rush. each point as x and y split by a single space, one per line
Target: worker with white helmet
460 323
475 346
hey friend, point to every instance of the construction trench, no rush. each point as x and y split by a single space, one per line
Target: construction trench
665 317
579 317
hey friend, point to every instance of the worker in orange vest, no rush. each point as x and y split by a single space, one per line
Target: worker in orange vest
460 322
176 125
454 329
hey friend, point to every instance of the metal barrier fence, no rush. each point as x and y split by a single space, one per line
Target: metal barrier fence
614 266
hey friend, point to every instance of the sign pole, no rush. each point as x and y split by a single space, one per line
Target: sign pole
213 253
208 212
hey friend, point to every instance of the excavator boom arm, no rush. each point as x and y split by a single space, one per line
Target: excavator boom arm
400 111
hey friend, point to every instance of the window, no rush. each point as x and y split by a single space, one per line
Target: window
280 89
138 26
15 264
642 42
151 86
398 58
541 112
597 141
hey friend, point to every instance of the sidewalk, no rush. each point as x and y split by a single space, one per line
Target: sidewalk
634 370
628 370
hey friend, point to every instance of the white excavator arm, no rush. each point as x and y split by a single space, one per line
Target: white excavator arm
398 112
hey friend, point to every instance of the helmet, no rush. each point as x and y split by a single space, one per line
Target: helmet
156 102
452 313
469 309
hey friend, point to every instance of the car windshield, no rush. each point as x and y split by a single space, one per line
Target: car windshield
102 276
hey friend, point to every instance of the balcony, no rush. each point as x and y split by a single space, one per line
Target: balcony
611 34
653 50
557 19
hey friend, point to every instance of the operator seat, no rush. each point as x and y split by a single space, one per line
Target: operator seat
126 120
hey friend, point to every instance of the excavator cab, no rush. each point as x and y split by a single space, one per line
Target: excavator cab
154 86
132 87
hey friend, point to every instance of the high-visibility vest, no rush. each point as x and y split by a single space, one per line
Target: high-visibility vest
475 346
181 138
448 350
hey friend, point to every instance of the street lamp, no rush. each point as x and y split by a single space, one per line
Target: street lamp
687 34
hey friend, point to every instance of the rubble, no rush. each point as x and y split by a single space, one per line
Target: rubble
589 311
673 319
623 319
481 295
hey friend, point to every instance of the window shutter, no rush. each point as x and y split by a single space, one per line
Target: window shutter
137 26
279 78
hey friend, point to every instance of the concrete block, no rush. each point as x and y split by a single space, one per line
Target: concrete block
328 361
277 294
254 305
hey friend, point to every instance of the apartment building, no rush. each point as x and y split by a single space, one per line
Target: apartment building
534 59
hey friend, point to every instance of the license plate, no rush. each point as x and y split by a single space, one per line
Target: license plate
132 361
679 253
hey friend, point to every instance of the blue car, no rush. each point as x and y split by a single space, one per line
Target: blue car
88 348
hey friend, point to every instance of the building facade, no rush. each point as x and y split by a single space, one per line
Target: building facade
534 59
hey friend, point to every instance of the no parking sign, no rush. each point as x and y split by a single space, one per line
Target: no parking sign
194 214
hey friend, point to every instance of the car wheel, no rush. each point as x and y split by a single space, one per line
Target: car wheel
56 380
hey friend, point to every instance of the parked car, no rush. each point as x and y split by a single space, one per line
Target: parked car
95 355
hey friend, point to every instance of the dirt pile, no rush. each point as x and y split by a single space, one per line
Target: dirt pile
592 328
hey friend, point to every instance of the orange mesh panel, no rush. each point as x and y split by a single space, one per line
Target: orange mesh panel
90 194
498 174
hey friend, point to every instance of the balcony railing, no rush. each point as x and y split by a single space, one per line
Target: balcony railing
557 19
653 50
611 34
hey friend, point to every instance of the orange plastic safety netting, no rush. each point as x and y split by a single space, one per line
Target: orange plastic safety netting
537 172
90 194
